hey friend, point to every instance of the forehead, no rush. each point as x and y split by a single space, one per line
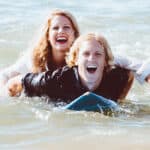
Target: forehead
91 45
60 19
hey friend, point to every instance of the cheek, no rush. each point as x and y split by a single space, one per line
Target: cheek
51 35
102 63
71 38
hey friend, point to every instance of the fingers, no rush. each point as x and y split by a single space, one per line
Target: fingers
14 86
15 90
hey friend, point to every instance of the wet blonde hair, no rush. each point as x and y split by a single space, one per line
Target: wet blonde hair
43 49
72 54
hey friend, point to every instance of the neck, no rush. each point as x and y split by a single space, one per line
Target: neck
91 86
58 60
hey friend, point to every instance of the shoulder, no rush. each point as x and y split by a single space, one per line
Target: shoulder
117 71
118 75
62 72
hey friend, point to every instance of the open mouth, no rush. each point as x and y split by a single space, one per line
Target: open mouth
61 40
91 69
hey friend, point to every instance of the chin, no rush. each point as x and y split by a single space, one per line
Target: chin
91 80
62 47
62 50
91 77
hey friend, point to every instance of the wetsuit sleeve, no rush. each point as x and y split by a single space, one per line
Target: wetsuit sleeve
46 83
37 84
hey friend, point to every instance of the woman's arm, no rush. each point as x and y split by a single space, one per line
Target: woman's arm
144 71
36 84
141 70
32 84
45 83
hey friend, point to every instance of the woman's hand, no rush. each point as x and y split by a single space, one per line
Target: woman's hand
14 86
148 79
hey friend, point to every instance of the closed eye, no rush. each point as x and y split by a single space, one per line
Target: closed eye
66 27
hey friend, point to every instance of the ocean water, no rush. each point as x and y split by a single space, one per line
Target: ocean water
33 124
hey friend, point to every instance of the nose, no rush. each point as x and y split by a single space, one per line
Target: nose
60 30
91 57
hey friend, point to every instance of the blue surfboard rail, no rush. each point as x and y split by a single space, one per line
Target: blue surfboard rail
93 102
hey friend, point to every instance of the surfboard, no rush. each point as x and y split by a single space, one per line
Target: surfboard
93 102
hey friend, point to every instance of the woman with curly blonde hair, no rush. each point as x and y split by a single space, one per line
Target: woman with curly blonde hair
48 53
59 33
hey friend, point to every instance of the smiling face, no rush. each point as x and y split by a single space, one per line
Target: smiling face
61 34
91 63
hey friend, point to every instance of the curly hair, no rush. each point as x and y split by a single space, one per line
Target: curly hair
43 50
74 50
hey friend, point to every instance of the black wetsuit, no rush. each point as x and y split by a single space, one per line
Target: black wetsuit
64 84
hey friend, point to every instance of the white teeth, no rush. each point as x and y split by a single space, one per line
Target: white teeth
92 66
61 38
